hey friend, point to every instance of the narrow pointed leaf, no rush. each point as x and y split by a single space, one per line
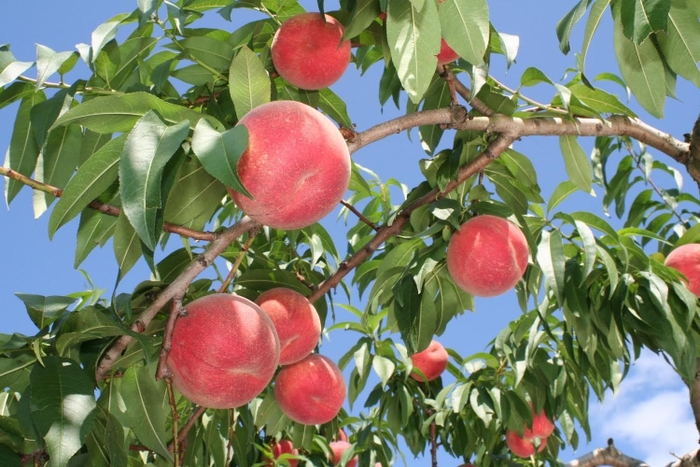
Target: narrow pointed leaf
330 103
642 17
364 14
10 68
567 23
127 246
466 29
249 83
551 258
577 164
45 310
594 19
48 62
681 44
94 229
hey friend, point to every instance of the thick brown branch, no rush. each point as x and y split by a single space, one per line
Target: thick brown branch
606 456
102 207
692 459
178 286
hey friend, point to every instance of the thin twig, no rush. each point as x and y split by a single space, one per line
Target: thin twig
176 418
175 311
182 435
239 259
354 210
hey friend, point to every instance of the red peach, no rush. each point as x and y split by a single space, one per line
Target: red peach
341 435
224 351
541 426
686 259
296 167
523 447
309 52
338 448
446 54
431 362
283 447
310 391
487 256
296 321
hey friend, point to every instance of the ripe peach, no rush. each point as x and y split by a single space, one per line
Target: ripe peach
446 54
296 321
341 435
541 426
283 447
310 391
686 259
224 351
296 167
523 447
338 448
431 362
309 52
487 256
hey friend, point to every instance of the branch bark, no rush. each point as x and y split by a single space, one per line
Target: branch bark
606 456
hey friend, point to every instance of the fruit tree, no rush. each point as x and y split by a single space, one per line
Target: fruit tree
218 145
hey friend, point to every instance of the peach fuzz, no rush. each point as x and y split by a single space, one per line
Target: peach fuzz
310 391
309 52
283 446
487 256
296 166
224 351
446 54
686 259
431 362
296 321
523 447
338 448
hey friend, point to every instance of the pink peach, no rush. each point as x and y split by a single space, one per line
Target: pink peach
224 351
309 52
310 391
487 256
296 167
296 321
338 448
283 446
686 259
431 362
446 54
523 447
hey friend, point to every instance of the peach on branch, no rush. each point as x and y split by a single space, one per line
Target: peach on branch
310 391
338 448
487 256
283 446
523 447
296 166
446 54
541 426
296 321
686 259
431 362
308 51
224 351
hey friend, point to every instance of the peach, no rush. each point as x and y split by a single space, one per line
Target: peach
487 256
224 351
686 259
296 321
310 391
446 54
309 52
523 447
541 426
341 435
296 166
338 448
283 446
431 362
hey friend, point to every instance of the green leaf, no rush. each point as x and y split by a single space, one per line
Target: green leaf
248 82
45 310
642 69
465 28
104 33
330 103
594 19
15 92
384 368
681 44
62 406
24 150
600 100
10 68
85 325
127 246
210 52
642 17
92 179
577 165
94 229
364 14
119 114
551 258
414 42
220 152
567 23
417 324
8 457
48 62
147 150
261 280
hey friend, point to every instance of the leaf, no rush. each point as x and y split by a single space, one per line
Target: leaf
261 280
220 152
148 148
211 52
15 92
127 246
551 258
465 27
681 44
600 100
330 103
567 23
577 165
414 42
104 33
417 324
506 44
62 406
45 310
248 82
642 17
88 324
48 62
119 114
94 229
10 68
384 368
594 19
24 151
363 14
642 69
92 179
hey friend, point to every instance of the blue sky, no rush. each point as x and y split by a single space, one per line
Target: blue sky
649 418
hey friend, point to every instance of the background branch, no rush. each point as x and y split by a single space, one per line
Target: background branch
606 456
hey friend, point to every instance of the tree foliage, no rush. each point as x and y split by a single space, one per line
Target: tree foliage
144 145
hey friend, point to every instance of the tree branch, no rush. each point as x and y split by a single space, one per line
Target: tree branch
606 456
178 286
